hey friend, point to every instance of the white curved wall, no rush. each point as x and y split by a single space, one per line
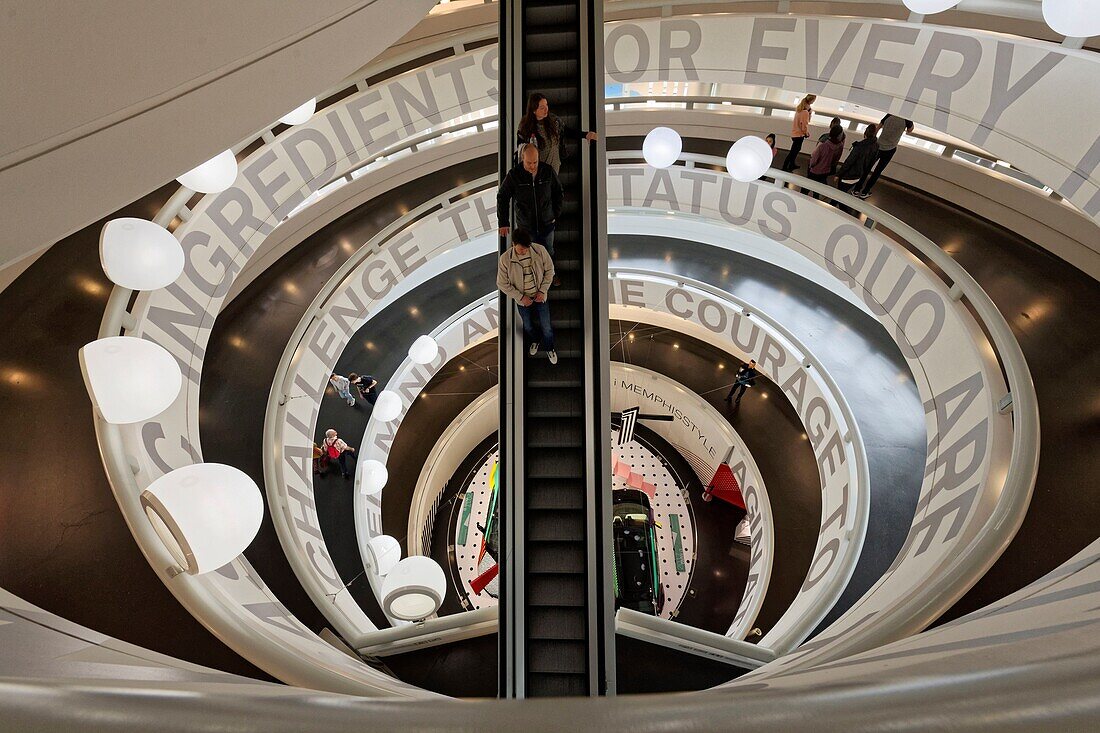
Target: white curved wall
1020 99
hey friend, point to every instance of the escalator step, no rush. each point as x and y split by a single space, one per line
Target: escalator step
551 402
551 66
557 39
556 685
555 432
556 590
556 557
560 93
558 462
565 656
559 525
556 623
550 15
555 494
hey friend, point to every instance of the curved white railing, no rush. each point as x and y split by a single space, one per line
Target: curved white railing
177 205
695 159
911 615
854 528
798 357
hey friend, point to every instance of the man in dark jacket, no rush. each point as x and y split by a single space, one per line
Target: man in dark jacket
745 378
536 192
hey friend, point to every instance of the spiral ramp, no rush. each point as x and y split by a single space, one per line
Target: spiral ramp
915 567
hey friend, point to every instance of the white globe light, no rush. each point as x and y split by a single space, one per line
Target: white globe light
374 475
206 514
1073 18
385 552
213 176
930 7
424 350
129 379
662 147
300 114
749 158
388 405
139 255
414 589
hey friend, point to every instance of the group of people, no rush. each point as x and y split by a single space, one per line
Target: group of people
363 385
866 161
333 449
529 202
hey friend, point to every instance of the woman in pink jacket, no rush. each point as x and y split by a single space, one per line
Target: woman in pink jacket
799 131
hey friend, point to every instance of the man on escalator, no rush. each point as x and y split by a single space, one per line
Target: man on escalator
535 190
524 273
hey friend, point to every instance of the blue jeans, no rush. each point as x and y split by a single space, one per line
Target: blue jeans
545 237
542 312
346 394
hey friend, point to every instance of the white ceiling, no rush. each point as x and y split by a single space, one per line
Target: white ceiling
103 102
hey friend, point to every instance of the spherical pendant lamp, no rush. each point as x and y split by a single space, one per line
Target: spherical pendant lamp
749 158
661 147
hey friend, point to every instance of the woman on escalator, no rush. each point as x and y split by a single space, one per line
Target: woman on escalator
545 131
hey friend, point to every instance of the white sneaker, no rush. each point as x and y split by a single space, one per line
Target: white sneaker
552 356
533 349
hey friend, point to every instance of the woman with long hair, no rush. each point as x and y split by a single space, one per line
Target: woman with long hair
799 131
545 131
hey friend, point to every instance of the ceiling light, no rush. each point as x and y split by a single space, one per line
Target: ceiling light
139 255
414 589
129 379
206 514
388 406
749 158
213 176
930 7
301 114
374 475
662 146
1072 18
424 350
383 552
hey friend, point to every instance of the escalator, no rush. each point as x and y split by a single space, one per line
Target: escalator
556 622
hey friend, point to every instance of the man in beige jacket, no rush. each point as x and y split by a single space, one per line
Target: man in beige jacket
524 274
